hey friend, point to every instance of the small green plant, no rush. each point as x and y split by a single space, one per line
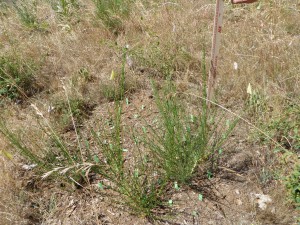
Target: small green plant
27 15
16 78
138 186
286 127
64 7
77 107
112 12
179 143
256 102
293 185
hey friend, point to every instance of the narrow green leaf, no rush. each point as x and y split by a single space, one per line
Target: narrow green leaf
176 186
200 197
100 186
96 159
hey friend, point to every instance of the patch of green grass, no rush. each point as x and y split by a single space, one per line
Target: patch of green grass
293 185
75 108
285 128
17 78
113 12
164 59
27 15
64 7
256 102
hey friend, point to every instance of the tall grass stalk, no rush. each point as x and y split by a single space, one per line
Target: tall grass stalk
73 123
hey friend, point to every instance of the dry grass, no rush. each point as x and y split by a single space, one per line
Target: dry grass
10 193
165 39
260 42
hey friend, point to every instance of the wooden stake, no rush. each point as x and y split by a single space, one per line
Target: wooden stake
216 41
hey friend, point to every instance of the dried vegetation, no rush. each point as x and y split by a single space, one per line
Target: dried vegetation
77 99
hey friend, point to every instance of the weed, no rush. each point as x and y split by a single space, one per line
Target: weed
138 186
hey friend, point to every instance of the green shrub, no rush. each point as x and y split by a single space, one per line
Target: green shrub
178 143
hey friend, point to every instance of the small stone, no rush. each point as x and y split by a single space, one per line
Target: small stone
261 199
239 202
